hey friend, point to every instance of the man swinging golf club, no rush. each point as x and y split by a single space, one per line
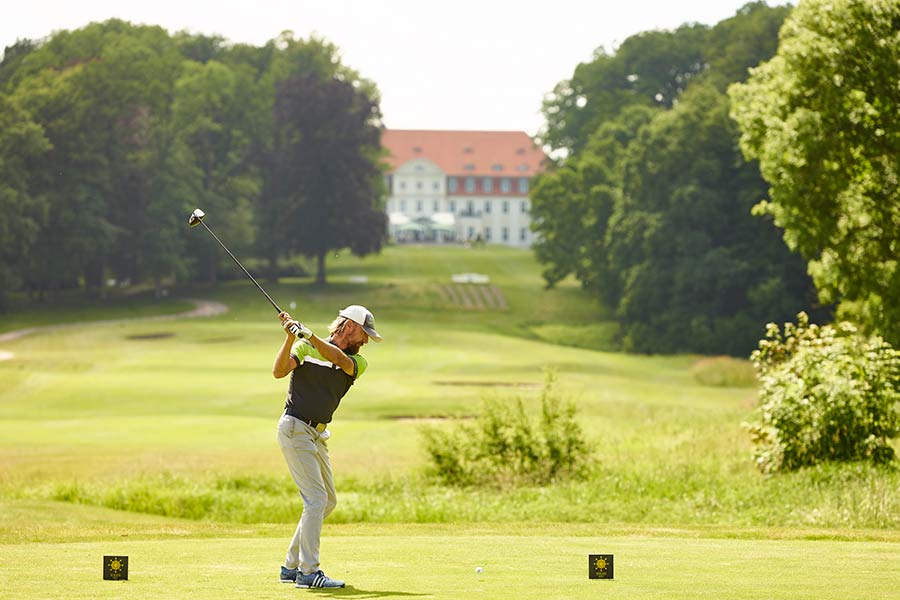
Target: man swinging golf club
322 372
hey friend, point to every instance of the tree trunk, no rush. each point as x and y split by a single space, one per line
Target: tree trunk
94 286
320 269
273 267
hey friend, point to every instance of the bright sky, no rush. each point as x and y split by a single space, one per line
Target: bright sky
466 64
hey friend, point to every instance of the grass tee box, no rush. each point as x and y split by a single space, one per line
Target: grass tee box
440 562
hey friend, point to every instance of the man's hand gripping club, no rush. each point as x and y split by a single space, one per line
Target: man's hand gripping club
284 363
295 328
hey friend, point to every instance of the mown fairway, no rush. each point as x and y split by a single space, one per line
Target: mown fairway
176 418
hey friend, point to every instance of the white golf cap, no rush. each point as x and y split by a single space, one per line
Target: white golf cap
363 317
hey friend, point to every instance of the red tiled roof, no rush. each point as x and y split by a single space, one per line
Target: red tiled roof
466 152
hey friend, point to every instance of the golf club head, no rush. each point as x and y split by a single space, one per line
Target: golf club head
196 217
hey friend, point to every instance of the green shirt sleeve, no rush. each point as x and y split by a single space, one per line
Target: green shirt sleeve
300 349
361 364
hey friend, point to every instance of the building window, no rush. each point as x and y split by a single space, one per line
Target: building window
487 185
451 184
523 207
470 207
523 233
437 186
436 206
403 205
471 233
469 167
497 167
523 185
505 185
487 234
418 185
402 185
506 207
470 184
487 206
505 234
453 206
418 206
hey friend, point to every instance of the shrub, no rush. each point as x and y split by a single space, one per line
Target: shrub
827 393
504 447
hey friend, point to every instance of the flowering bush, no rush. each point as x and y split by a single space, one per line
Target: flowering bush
827 393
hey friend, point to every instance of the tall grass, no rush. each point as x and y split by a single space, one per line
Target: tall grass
858 496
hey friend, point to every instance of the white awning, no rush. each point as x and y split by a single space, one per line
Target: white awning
398 218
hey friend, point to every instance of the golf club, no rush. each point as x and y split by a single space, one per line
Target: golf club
195 219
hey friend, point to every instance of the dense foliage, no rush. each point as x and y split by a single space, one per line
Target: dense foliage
826 394
111 134
651 207
822 118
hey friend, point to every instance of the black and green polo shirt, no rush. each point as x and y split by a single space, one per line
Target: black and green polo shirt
317 384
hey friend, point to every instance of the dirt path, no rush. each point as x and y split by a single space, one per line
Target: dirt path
202 308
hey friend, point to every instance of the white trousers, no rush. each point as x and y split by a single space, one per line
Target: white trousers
306 454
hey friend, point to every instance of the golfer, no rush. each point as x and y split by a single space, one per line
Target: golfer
322 372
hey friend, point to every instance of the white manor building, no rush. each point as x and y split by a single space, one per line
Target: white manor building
446 186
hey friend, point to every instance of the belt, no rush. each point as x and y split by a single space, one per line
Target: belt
320 427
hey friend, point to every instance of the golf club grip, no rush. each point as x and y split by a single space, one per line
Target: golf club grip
246 272
295 329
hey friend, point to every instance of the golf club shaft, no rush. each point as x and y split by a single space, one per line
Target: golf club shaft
246 272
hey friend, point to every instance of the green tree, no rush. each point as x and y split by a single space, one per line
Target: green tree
328 172
821 117
650 69
698 273
741 42
650 208
200 48
215 111
63 176
99 93
571 207
322 183
12 59
22 142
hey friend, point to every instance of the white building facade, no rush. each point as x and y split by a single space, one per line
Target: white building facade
461 186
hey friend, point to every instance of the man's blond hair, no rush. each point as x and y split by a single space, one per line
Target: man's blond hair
337 325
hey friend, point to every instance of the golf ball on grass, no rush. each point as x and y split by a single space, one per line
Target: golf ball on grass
478 569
